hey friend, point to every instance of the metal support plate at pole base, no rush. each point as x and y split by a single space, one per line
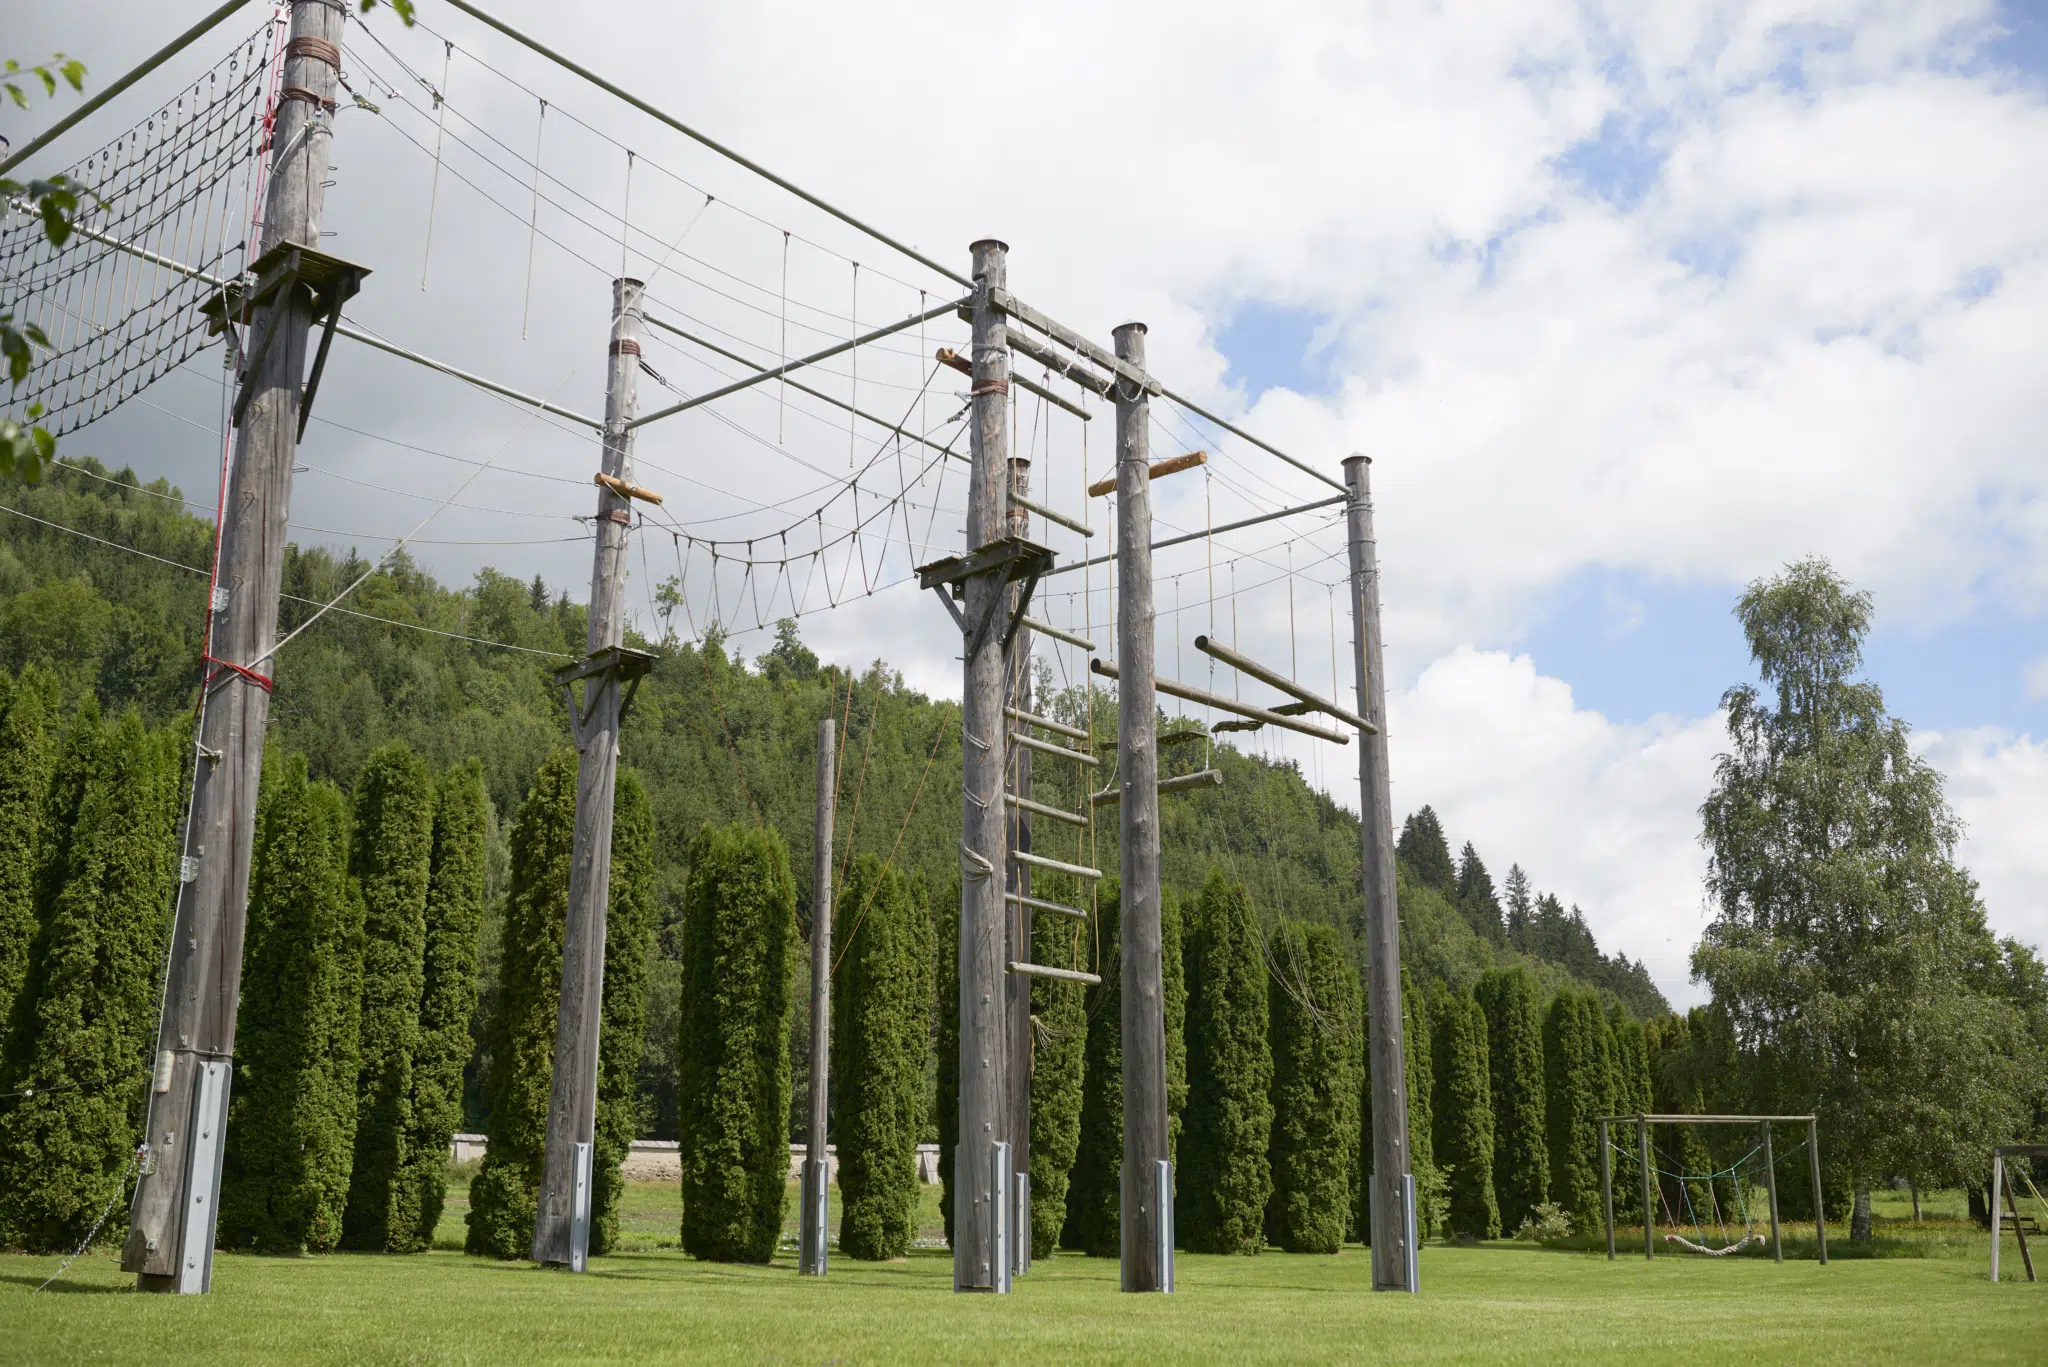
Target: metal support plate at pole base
579 1214
202 987
202 1209
572 1089
1393 1234
1163 1194
998 1252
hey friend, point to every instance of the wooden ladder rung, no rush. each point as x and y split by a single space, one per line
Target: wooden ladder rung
1065 975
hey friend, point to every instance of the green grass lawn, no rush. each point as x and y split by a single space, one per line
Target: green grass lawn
1929 1303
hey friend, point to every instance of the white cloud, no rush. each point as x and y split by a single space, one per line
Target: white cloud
1601 814
2035 676
1998 785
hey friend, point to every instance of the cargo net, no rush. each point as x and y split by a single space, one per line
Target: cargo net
164 204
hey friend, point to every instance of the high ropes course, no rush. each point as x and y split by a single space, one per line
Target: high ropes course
800 413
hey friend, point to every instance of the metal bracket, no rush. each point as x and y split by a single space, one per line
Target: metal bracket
629 665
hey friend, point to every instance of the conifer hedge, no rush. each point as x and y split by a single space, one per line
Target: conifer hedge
622 1029
1574 1090
28 754
441 1050
389 851
1315 1041
291 1125
1225 1175
733 1083
946 1040
520 1037
1059 1040
503 1195
86 1025
1463 1116
881 1032
1514 1031
1094 1198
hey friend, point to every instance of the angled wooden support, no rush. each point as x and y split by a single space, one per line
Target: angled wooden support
1222 704
1245 665
1158 470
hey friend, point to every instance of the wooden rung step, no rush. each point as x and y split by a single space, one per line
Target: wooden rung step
1186 783
1065 975
1039 861
1058 728
1048 629
1018 899
1040 809
1177 736
1046 747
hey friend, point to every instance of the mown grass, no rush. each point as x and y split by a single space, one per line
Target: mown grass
1505 1302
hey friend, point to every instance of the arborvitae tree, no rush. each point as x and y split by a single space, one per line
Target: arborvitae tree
1225 1175
622 1024
946 1040
1629 1090
739 931
291 1128
881 1034
1428 855
504 1195
454 916
1094 1198
87 1023
1476 897
1315 1036
28 754
1679 1148
1572 1087
1174 992
1514 1032
389 852
1059 1038
1463 1105
1418 1080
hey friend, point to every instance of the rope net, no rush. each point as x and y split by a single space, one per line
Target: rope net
178 186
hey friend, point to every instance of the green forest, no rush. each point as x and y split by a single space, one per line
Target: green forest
411 862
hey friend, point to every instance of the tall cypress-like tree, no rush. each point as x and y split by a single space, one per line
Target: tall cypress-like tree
622 1023
1225 1175
881 1033
1094 1199
739 932
1059 1038
389 854
86 1026
291 1129
1315 1041
504 1194
1514 1031
1573 1093
454 917
28 755
946 1040
1463 1116
1419 1082
1428 855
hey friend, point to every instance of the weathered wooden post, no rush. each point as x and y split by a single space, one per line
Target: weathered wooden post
1820 1210
608 673
1607 1188
1143 991
817 1165
1771 1186
978 1263
1393 1217
1643 1157
172 1218
1017 918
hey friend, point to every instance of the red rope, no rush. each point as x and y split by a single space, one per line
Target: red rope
262 681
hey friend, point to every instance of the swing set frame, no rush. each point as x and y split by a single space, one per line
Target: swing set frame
1761 1123
2001 1184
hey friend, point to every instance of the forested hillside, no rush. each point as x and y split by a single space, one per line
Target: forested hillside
714 738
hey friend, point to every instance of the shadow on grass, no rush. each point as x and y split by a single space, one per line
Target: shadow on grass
64 1286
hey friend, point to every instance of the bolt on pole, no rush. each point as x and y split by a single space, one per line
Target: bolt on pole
572 1089
817 1169
979 1264
172 1218
1141 953
1393 1218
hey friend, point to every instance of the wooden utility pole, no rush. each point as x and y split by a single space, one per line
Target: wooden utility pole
817 1170
609 674
1146 1267
1392 1194
1017 881
172 1220
979 1190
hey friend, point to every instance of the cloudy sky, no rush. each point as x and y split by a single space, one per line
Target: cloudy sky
1630 304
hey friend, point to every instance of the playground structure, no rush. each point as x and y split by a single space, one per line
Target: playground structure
1652 1190
2001 1184
135 303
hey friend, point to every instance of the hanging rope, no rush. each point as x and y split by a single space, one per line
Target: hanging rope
532 220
